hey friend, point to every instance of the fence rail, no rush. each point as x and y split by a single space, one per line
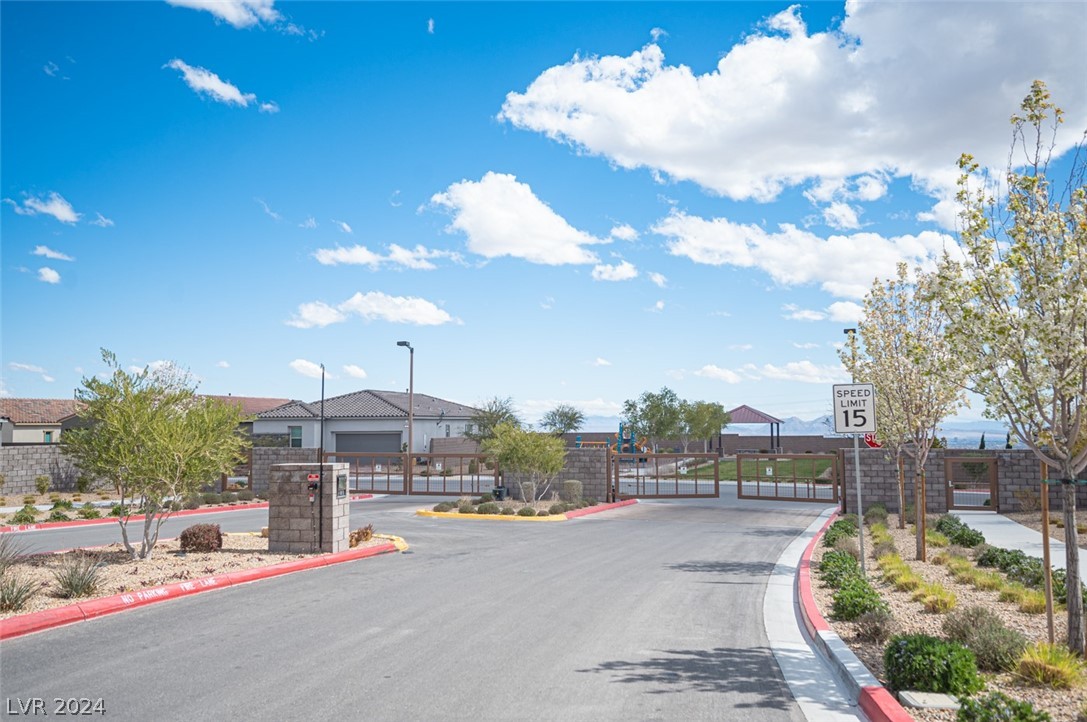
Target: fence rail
443 474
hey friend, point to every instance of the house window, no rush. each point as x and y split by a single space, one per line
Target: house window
447 431
296 436
467 429
49 436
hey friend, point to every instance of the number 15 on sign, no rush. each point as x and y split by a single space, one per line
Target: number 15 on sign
854 409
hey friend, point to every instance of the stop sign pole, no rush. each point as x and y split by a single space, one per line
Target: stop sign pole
855 413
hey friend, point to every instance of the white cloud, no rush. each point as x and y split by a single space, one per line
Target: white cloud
430 26
719 374
372 306
394 199
534 409
658 306
316 313
502 217
741 347
601 362
48 275
310 222
344 228
890 91
54 205
624 232
944 213
839 311
307 368
50 253
795 313
239 13
808 345
623 271
205 82
269 106
548 303
268 211
356 372
223 364
659 279
841 216
102 222
5 392
15 366
419 258
802 371
47 378
51 69
842 265
658 33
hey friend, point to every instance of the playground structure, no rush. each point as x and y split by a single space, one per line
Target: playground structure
618 443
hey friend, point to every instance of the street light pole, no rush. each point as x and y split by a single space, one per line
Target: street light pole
409 468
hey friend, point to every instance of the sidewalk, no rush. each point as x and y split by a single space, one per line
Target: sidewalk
1000 531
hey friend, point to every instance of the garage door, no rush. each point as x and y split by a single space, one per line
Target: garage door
368 443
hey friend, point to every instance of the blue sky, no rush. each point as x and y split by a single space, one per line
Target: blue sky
555 202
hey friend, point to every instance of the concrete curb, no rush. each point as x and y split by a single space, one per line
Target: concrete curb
513 517
41 526
38 621
874 700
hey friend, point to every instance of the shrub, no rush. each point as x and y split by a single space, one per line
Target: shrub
571 490
999 707
557 509
359 536
212 497
936 539
855 597
996 648
27 515
57 515
444 506
844 527
77 575
118 510
465 507
883 548
910 513
956 530
11 548
82 484
543 512
876 626
836 567
62 504
15 591
850 546
1032 602
934 598
41 483
29 499
1051 665
507 511
485 498
487 507
875 514
473 467
230 497
245 495
193 502
526 511
88 511
924 663
591 502
201 538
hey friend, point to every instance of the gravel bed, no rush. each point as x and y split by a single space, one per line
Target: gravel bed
167 564
910 617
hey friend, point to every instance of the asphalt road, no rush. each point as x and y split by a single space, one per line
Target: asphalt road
652 612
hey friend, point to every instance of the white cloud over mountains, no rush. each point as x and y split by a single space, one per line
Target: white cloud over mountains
500 216
371 306
899 90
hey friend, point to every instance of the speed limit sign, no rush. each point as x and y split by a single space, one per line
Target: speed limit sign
854 409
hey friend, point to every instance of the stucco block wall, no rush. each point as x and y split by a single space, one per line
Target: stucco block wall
264 457
586 465
20 465
298 526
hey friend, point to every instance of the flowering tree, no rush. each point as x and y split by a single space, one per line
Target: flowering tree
905 355
150 436
1017 306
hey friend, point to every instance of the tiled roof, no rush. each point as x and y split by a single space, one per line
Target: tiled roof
747 415
250 405
36 411
369 404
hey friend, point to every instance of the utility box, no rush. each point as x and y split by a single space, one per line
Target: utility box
309 508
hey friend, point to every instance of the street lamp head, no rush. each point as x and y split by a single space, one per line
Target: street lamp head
405 344
849 331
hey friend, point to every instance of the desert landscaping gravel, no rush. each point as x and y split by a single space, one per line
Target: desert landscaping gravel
910 617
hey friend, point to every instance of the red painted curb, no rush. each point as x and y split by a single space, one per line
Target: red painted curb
38 621
599 508
880 706
813 620
184 512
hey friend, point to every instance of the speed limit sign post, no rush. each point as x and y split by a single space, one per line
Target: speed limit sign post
855 413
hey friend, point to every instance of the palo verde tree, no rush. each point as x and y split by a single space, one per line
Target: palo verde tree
535 457
154 440
903 352
491 413
657 416
1016 302
562 419
702 420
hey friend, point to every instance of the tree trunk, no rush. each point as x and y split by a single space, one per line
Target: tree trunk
1072 580
901 492
919 512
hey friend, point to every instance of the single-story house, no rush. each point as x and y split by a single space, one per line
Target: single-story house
367 421
33 421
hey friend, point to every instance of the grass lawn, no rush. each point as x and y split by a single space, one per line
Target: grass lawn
779 468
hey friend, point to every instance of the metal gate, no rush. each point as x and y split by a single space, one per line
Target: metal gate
664 476
430 474
971 483
788 477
